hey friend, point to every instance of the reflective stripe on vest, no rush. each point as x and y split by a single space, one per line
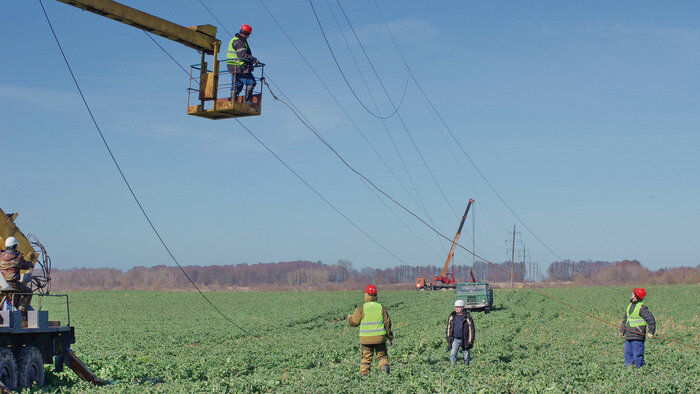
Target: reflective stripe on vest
372 323
634 319
232 54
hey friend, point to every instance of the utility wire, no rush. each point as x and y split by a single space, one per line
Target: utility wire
269 79
420 88
296 174
368 182
335 99
328 44
123 176
415 146
515 277
386 128
301 178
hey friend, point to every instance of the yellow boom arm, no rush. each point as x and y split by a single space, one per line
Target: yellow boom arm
9 229
201 38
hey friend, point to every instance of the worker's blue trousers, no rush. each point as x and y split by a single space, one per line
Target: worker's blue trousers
634 353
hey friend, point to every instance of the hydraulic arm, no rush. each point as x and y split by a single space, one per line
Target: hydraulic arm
9 229
201 38
454 243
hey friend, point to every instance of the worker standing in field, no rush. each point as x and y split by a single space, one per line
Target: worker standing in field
375 330
241 62
460 332
634 328
11 261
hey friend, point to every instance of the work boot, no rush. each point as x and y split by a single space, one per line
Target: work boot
249 94
385 368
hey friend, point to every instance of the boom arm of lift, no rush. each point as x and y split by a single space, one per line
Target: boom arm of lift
9 229
454 243
201 38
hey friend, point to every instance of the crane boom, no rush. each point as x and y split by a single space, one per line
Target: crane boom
454 243
9 229
201 38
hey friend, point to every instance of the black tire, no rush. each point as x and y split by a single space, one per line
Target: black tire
8 369
422 288
30 367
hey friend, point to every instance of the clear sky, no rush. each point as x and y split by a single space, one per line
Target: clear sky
584 116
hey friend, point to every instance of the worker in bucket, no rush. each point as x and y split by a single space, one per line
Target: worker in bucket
460 332
375 330
11 261
241 62
634 328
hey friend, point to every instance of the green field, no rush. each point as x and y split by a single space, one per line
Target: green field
175 342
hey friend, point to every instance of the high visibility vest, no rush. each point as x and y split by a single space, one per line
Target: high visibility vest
634 319
372 323
232 54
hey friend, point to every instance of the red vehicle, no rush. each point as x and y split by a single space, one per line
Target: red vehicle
446 280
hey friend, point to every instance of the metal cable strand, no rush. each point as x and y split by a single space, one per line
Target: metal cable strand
126 182
516 278
472 161
396 109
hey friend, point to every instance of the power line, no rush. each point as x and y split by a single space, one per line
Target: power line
420 88
123 176
396 109
345 112
300 177
511 275
386 128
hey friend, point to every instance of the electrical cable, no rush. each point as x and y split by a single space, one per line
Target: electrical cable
300 177
335 59
420 88
516 278
386 128
123 176
423 221
415 146
269 79
340 106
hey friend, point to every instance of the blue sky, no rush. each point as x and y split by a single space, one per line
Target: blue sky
584 117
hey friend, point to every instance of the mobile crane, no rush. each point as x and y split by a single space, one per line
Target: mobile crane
203 39
446 280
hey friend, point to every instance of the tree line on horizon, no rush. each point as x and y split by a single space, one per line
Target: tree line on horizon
342 275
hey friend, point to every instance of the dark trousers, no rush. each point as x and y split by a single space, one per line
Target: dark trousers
238 80
634 353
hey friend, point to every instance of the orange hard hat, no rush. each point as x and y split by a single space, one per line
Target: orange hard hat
371 290
640 293
247 29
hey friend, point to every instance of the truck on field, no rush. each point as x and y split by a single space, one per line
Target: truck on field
28 339
477 296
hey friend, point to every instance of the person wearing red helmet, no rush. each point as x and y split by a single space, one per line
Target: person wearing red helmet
634 328
241 62
375 330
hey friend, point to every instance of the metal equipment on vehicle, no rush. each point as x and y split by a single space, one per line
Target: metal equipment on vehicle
208 103
477 296
446 280
27 342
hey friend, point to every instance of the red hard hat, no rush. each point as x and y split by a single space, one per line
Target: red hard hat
247 29
371 290
640 293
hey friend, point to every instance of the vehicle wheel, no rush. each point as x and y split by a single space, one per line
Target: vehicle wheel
487 310
8 369
422 289
30 367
